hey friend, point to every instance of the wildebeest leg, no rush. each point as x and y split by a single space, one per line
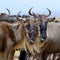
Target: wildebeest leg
11 55
37 57
57 56
1 55
4 56
8 47
43 56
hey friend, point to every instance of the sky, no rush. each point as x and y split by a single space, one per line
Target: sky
39 6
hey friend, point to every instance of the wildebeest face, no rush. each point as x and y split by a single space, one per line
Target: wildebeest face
43 28
43 25
32 31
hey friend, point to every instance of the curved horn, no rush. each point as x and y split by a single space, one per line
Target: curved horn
30 11
17 16
8 10
49 12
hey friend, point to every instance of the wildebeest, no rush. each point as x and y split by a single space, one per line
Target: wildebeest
53 34
32 31
49 32
11 35
22 43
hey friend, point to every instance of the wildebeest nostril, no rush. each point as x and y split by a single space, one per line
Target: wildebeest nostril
44 36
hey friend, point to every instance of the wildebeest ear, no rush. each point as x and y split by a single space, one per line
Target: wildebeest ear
51 19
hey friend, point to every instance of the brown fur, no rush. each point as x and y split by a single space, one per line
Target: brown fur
5 40
38 47
8 40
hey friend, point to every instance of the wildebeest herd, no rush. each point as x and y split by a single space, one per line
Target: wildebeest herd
35 35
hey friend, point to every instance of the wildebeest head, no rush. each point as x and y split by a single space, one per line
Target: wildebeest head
30 27
43 20
32 30
8 17
4 14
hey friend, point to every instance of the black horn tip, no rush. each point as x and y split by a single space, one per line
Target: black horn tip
30 11
31 8
49 12
8 10
47 8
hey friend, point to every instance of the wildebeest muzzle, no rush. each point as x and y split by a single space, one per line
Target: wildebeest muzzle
43 28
